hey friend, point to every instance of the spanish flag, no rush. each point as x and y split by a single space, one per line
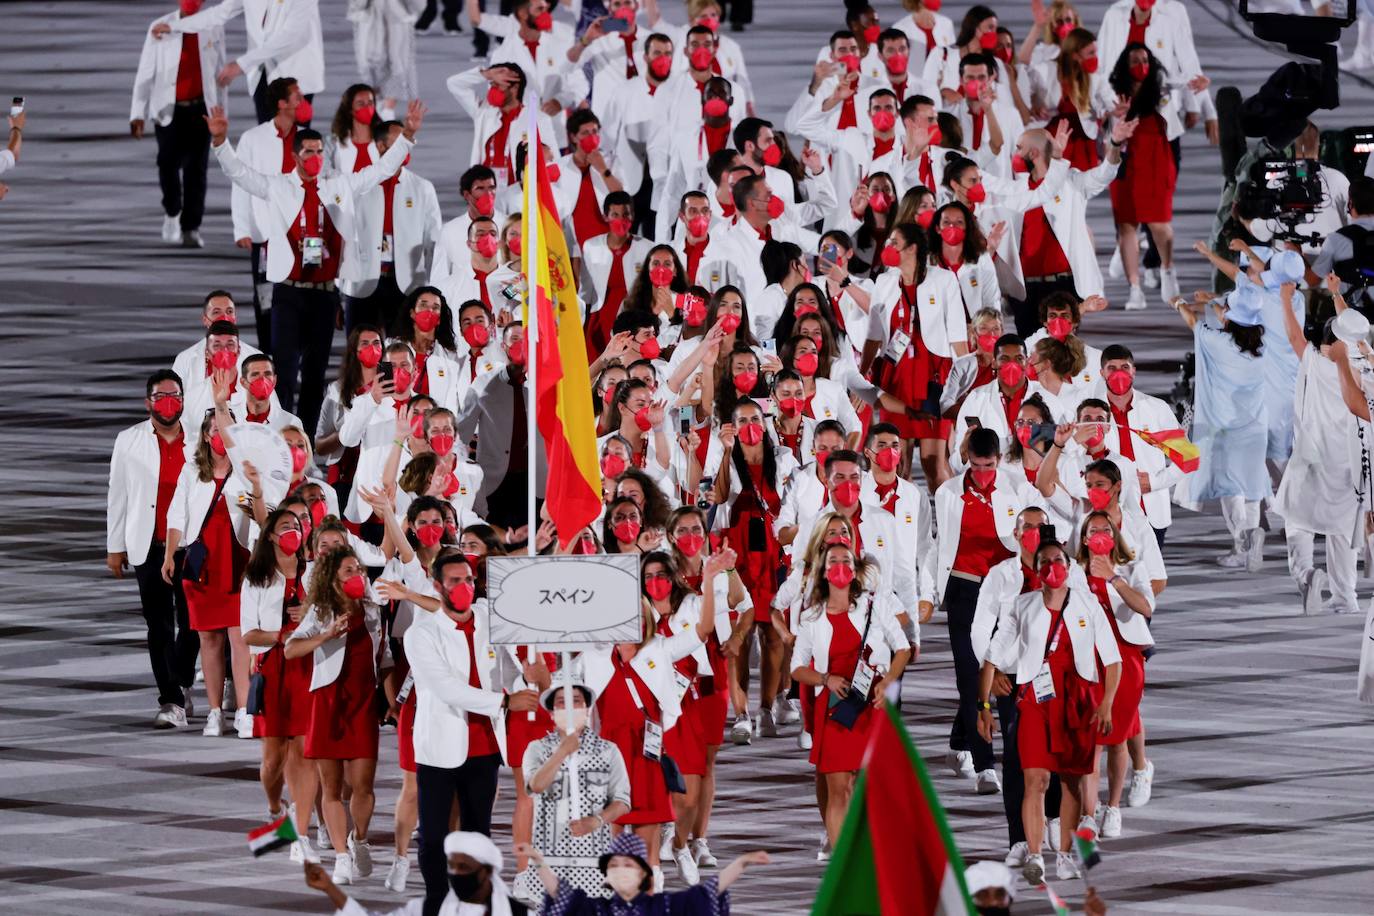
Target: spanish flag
563 388
1175 446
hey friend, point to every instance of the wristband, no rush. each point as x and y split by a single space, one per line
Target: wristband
984 706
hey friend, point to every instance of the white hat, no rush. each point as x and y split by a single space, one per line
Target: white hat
480 847
1350 326
981 876
1284 267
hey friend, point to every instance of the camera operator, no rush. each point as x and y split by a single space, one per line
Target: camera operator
1351 245
1330 214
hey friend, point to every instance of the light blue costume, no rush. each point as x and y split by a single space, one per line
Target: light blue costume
1281 364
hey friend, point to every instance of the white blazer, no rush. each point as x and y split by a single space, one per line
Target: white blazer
596 269
977 285
329 656
260 148
939 308
1011 493
1066 209
285 194
284 39
653 664
944 37
341 155
451 252
131 502
438 654
1169 36
1133 627
885 637
191 504
470 89
189 364
911 516
415 225
882 541
1092 367
155 84
260 607
1024 632
1150 414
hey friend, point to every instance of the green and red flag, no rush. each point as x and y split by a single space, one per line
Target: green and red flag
275 835
1061 908
895 855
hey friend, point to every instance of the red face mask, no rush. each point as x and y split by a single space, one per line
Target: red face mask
1140 72
1063 29
451 529
517 352
642 420
1059 328
698 226
839 575
1100 543
715 108
551 169
1002 53
934 133
690 544
883 121
484 203
217 444
745 381
821 455
872 32
1145 5
1030 539
429 534
1011 374
496 97
544 22
772 155
365 114
803 309
925 218
650 349
1054 574
711 22
886 458
845 494
305 112
621 227
851 63
311 166
729 323
460 596
1019 165
952 236
701 58
988 40
658 587
932 5
224 359
355 586
1098 498
806 364
751 434
972 88
1023 435
477 336
986 342
661 277
626 532
693 310
790 407
298 459
589 143
417 426
1096 438
626 13
612 465
370 355
976 194
890 256
317 511
983 477
896 64
487 246
661 66
1120 382
775 203
441 443
426 320
167 408
403 379
1032 373
513 243
880 202
289 541
1089 64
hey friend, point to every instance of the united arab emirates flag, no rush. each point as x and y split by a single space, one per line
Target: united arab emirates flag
275 835
895 855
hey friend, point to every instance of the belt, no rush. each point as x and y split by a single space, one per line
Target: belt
967 577
327 285
188 103
1050 278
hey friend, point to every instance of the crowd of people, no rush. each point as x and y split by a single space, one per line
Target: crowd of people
840 385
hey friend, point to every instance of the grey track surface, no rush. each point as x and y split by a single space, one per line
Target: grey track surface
1262 800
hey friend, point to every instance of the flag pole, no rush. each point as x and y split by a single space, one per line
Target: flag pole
534 156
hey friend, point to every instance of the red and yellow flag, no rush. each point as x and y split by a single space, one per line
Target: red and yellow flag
1175 446
563 388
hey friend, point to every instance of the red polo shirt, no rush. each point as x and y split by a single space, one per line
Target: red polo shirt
979 546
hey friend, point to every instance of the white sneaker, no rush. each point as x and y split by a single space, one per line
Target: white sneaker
190 705
701 851
1168 284
171 229
1116 270
1065 868
1135 302
804 740
786 712
1089 823
297 854
361 852
1016 856
227 703
1254 551
1334 605
658 879
987 782
1033 869
823 854
767 727
1149 279
214 724
1357 61
1233 560
166 716
396 877
665 836
243 723
1141 782
687 865
742 732
960 763
308 852
1111 823
343 868
322 836
1051 833
1311 587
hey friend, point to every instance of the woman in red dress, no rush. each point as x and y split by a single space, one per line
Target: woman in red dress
1072 96
271 604
1051 642
641 700
199 520
1144 189
850 645
343 632
1122 586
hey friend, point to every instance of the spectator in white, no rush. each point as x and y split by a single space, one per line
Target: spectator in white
477 187
221 349
384 47
837 63
398 226
254 402
585 176
485 275
144 469
684 156
494 98
923 159
732 258
634 131
681 94
171 89
313 226
610 263
694 234
284 38
729 59
858 151
894 49
192 363
1349 248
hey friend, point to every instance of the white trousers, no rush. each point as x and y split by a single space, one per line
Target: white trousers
1340 561
1240 515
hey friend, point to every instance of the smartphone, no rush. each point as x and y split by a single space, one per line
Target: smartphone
385 371
614 24
17 106
704 487
771 346
972 423
830 253
685 416
758 536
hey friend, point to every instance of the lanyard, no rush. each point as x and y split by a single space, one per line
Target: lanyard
319 226
1056 629
906 309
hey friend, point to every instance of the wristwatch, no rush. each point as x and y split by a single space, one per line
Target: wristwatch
984 705
845 282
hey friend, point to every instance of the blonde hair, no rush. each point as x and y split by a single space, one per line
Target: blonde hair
696 8
819 595
1120 552
1071 70
1047 34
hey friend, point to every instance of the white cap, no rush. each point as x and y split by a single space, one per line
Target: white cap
981 876
1351 327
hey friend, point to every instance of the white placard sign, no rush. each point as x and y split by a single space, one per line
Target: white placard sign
270 454
564 602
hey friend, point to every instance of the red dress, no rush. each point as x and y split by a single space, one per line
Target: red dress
757 569
286 701
622 722
1057 735
1131 688
1082 150
405 734
343 720
911 377
521 730
1144 192
214 605
834 748
685 742
712 706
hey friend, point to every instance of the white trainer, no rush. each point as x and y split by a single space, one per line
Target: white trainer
361 851
1149 279
243 723
1065 868
767 727
1141 783
166 717
1116 270
1311 587
701 851
804 740
742 732
665 836
1168 284
1111 823
1254 551
1135 302
686 865
171 229
396 877
214 724
1233 560
1016 855
343 868
823 854
1033 869
1089 823
960 763
784 713
987 782
191 239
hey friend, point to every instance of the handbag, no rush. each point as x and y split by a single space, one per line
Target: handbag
257 687
197 554
845 710
672 776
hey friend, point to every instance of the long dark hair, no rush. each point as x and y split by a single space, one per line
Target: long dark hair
608 539
342 128
443 334
915 235
656 508
786 324
868 232
641 296
975 17
1247 339
664 558
745 332
1015 450
770 462
1146 100
974 242
727 398
350 367
262 562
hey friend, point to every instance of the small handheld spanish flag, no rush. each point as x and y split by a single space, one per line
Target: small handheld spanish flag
279 833
1175 446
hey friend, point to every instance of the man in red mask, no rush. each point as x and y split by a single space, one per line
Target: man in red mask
733 255
311 223
218 306
477 188
147 461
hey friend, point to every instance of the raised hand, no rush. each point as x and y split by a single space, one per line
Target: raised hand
218 125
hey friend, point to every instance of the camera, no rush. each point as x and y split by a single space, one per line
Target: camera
1286 191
